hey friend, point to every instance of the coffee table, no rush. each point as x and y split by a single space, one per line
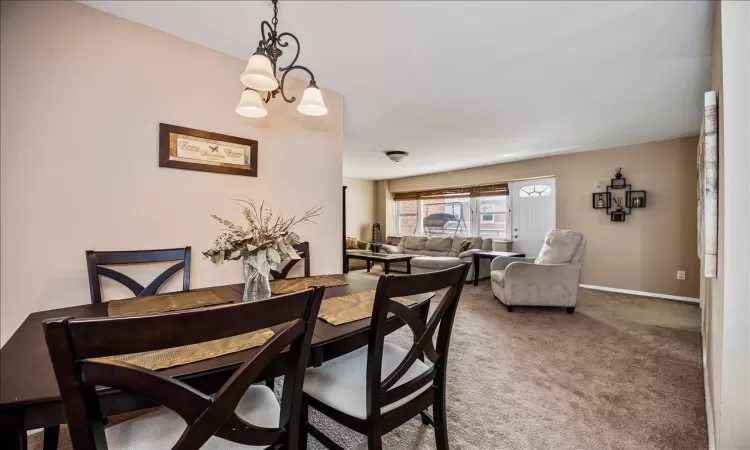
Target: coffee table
491 255
384 258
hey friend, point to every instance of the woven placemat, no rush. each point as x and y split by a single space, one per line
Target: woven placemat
289 285
177 356
352 307
154 304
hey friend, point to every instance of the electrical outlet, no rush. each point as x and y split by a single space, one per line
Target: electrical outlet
680 274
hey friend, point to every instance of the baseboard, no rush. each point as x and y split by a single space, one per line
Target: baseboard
643 294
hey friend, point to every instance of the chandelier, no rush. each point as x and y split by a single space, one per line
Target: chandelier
260 78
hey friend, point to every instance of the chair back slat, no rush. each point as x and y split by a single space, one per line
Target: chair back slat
381 392
303 249
80 365
96 259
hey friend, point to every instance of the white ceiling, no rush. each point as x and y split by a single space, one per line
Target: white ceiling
463 84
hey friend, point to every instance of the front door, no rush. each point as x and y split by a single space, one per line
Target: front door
532 213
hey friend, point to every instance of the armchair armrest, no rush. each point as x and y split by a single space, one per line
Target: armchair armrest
501 262
391 249
542 272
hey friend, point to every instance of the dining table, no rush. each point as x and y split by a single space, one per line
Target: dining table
30 398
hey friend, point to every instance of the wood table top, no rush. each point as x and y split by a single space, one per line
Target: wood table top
26 375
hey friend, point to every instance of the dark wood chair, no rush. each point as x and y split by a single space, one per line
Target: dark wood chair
94 261
240 412
377 388
303 249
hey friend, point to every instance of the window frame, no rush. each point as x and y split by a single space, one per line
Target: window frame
475 220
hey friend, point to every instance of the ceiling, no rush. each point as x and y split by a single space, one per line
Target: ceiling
464 84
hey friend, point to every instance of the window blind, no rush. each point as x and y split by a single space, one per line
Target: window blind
482 190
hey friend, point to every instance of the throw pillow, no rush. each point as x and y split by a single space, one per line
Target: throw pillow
465 245
351 243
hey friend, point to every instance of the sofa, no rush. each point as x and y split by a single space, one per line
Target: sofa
551 279
354 245
439 252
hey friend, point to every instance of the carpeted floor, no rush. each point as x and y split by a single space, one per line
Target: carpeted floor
623 372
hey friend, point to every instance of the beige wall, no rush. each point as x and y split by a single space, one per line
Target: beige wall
642 254
82 95
360 207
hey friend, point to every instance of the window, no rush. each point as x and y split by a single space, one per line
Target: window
494 216
453 216
536 190
406 217
446 216
488 217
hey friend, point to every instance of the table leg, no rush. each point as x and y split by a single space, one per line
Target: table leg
475 260
387 267
408 266
346 266
12 433
369 264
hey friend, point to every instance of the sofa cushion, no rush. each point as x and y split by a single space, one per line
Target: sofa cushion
559 247
498 276
465 245
436 262
351 242
413 243
439 244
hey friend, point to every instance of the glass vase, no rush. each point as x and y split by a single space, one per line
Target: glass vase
257 286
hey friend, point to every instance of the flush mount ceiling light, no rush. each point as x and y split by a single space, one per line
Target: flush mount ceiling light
260 74
396 155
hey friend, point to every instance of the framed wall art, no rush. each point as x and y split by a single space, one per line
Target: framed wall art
187 148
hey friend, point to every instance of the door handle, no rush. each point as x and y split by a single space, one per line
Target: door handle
515 236
515 229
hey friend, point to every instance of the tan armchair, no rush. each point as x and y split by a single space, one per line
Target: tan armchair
549 280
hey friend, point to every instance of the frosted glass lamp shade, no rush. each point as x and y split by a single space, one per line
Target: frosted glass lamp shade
312 102
251 105
259 74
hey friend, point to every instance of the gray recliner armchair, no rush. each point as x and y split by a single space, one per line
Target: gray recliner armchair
551 279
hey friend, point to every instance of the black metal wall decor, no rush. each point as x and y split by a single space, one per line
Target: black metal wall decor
377 235
623 206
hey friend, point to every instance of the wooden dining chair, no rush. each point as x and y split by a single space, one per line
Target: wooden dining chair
94 261
378 388
244 415
303 250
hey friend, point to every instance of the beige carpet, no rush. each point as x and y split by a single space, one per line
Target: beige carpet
623 372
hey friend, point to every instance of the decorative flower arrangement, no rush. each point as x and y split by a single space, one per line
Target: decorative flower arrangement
265 242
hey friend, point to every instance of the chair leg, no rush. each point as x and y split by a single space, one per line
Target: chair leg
510 308
570 309
439 413
374 441
304 420
51 435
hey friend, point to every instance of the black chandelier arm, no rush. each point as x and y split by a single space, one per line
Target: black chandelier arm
283 79
286 44
267 36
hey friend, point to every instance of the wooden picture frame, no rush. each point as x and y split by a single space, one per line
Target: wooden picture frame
190 149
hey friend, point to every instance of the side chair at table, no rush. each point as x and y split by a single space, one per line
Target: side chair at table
96 259
303 250
379 387
240 416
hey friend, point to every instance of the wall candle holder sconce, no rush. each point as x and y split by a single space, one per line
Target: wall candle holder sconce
623 207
